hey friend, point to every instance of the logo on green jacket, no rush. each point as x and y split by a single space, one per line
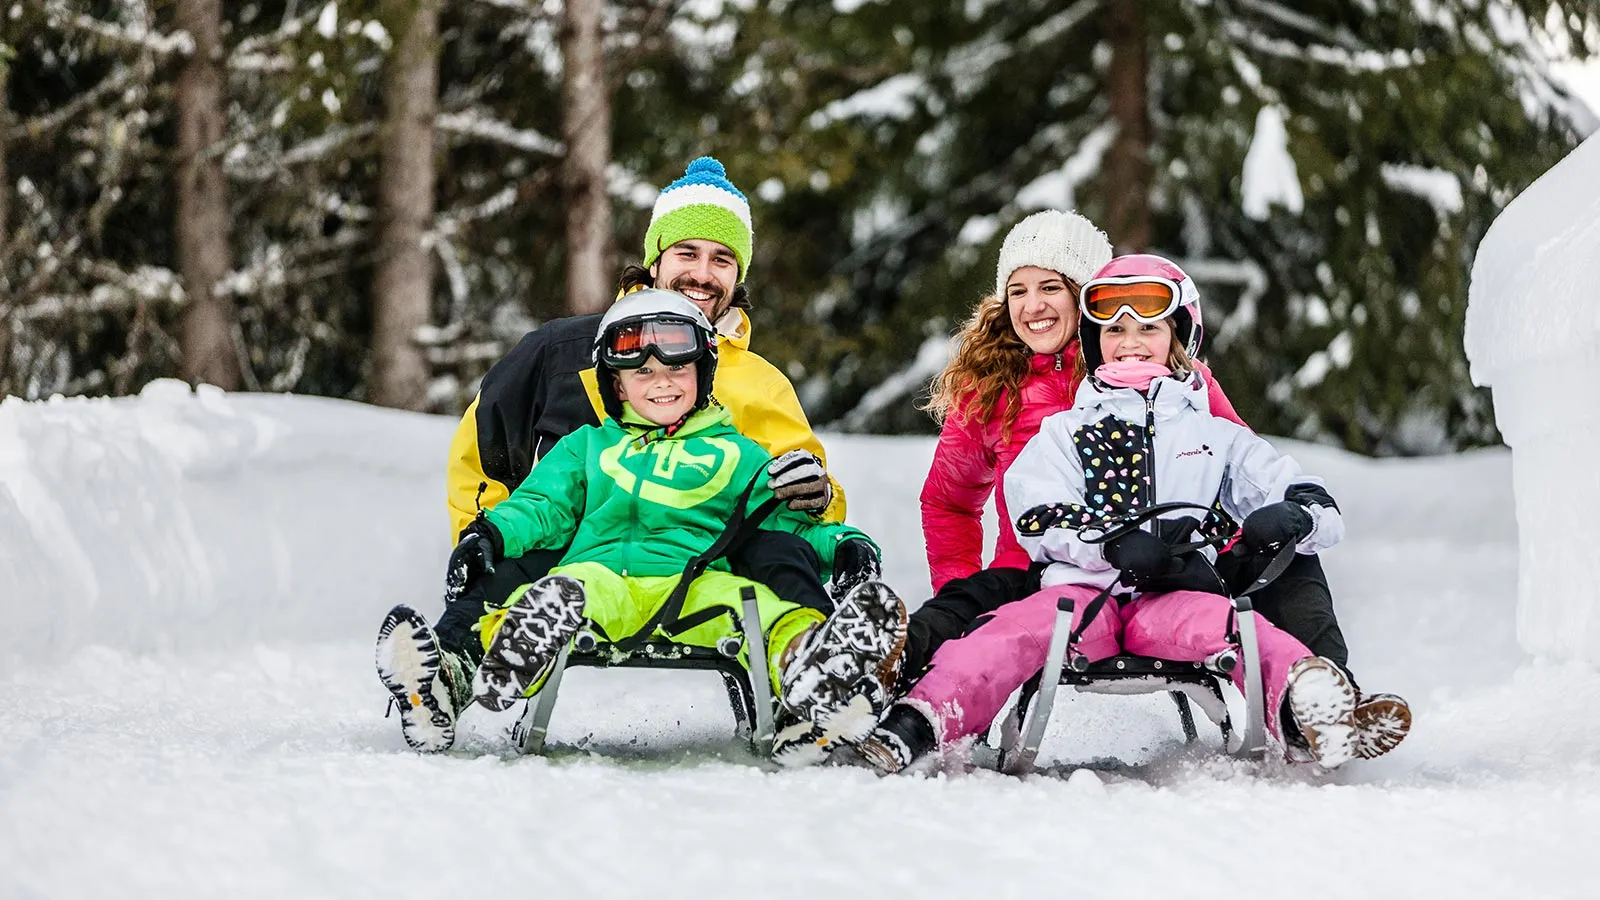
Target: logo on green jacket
669 472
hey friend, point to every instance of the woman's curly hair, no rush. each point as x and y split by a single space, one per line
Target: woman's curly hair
990 360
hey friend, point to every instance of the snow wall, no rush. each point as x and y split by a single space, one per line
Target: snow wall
183 517
1533 335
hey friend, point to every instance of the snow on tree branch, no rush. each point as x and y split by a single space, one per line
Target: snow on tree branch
257 53
245 164
39 126
1441 189
1336 35
1349 60
117 290
478 123
135 34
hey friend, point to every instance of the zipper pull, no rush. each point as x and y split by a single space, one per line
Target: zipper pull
1058 362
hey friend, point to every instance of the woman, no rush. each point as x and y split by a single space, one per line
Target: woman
1018 362
1144 411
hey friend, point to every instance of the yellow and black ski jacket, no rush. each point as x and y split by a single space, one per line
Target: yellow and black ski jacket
545 389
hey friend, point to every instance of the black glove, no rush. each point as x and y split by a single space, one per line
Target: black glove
480 547
1276 524
855 562
1141 556
798 477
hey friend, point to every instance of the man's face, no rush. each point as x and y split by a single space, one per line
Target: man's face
704 271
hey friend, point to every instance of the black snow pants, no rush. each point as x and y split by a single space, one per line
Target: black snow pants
957 608
784 562
1298 601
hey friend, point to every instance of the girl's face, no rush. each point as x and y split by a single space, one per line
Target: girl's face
1044 308
1129 340
660 393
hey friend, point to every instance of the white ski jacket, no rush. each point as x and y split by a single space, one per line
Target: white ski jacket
1116 446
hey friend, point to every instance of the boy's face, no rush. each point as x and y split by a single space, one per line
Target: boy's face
662 394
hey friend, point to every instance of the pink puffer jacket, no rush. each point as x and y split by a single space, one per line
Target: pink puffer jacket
971 460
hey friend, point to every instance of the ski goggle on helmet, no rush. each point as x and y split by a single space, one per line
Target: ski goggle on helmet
1149 288
653 323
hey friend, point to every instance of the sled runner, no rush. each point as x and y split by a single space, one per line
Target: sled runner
1022 728
749 691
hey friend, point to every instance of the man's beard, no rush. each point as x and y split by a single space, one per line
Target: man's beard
719 297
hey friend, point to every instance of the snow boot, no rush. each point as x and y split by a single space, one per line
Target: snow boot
843 675
1322 703
798 742
904 737
1382 722
428 684
535 628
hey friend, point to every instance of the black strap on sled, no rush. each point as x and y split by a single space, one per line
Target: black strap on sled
1116 527
740 528
1279 563
1128 522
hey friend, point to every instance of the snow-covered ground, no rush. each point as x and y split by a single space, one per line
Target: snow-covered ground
190 584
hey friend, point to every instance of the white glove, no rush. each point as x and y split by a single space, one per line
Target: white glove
798 477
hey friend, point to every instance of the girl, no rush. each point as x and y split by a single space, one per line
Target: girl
1017 361
1141 431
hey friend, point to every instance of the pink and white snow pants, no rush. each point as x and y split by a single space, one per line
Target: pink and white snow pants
970 679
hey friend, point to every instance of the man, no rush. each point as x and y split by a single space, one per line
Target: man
698 244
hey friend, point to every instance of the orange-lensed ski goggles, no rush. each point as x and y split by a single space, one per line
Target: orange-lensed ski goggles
1147 298
672 341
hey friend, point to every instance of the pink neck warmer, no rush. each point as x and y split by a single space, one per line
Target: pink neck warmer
1131 374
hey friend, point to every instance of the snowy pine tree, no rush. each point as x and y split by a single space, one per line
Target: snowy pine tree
1324 170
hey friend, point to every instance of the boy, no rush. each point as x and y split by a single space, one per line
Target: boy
635 499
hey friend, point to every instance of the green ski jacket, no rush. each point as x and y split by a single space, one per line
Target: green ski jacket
642 502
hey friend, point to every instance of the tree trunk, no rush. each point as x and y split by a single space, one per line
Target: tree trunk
5 180
403 287
1127 172
5 230
586 126
209 351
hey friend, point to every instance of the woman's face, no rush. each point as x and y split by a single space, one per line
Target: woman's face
1130 340
1044 308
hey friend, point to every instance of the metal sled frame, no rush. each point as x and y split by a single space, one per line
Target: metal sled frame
749 691
1023 728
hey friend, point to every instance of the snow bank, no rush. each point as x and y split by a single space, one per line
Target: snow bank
1533 334
179 518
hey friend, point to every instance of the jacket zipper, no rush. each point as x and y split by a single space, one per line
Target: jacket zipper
1150 443
1058 362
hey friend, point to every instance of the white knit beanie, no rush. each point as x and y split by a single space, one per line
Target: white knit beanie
1062 242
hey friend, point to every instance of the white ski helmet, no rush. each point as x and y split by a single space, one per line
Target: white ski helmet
659 323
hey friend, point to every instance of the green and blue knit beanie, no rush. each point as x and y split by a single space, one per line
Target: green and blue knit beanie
702 205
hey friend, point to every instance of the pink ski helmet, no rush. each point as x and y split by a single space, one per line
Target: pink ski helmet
1149 288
